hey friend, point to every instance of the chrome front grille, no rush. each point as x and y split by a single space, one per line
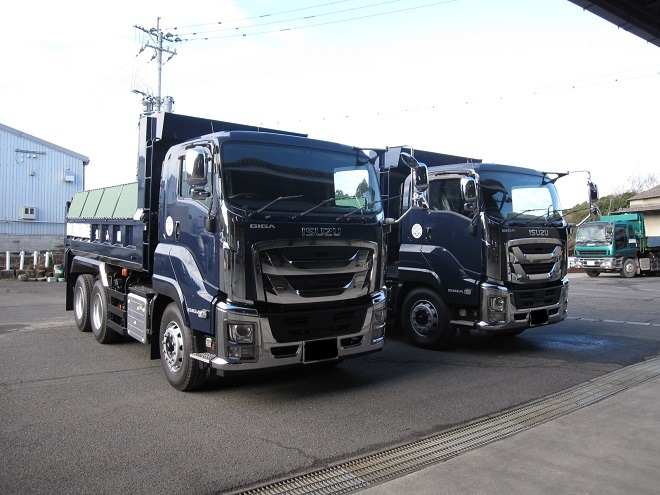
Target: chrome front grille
290 272
532 260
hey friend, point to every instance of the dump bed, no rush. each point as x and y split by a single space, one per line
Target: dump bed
106 224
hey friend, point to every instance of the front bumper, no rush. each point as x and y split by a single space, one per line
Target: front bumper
503 310
267 352
600 264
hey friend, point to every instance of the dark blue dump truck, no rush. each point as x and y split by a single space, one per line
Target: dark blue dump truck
237 249
476 246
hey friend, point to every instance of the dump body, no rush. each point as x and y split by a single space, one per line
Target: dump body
249 249
617 243
496 263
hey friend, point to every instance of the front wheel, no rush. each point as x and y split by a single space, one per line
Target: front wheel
176 343
593 273
629 269
425 319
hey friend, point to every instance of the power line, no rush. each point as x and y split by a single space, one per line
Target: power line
293 19
263 15
206 38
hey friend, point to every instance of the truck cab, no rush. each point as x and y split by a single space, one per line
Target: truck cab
238 249
483 247
614 243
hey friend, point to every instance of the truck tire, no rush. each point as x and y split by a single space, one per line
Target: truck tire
629 268
82 293
98 315
425 319
593 273
176 343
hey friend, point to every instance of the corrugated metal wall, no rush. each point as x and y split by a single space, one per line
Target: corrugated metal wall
34 173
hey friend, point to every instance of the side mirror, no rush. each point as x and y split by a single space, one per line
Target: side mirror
196 167
593 192
199 193
469 193
469 189
409 160
420 177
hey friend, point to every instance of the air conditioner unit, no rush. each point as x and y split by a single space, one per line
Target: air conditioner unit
27 213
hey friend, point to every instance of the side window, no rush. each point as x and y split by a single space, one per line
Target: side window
621 239
186 190
445 195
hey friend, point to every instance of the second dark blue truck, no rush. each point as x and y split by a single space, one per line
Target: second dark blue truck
478 247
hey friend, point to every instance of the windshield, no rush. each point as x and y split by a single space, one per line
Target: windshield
268 177
594 233
520 198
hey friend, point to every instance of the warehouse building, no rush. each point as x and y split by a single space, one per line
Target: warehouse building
38 179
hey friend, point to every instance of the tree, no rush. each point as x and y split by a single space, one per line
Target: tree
641 183
361 188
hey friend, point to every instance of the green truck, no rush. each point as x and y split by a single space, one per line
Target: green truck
622 242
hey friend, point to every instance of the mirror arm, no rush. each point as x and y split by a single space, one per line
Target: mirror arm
392 221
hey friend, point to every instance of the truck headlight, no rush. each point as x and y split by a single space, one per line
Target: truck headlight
378 322
241 333
497 303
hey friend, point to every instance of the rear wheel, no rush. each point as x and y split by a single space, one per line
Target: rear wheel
176 343
98 315
629 269
425 319
82 293
593 273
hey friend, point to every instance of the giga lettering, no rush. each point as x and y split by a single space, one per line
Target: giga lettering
321 232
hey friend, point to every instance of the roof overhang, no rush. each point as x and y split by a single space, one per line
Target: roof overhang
639 17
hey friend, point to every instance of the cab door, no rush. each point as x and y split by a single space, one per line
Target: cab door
191 248
441 239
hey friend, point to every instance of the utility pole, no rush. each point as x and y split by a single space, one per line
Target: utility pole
150 102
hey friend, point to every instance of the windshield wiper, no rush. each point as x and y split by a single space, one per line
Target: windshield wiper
549 210
546 217
273 201
295 217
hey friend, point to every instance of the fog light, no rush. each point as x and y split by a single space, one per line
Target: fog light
497 303
495 317
377 334
236 352
241 333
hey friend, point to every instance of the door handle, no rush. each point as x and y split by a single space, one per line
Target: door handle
177 231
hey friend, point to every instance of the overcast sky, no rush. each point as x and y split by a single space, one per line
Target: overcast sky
538 83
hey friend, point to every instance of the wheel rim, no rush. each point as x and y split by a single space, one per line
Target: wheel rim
424 318
97 311
172 346
629 267
78 298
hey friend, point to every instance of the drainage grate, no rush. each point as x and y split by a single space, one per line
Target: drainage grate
377 468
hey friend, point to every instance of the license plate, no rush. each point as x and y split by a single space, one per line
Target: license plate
320 350
591 263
